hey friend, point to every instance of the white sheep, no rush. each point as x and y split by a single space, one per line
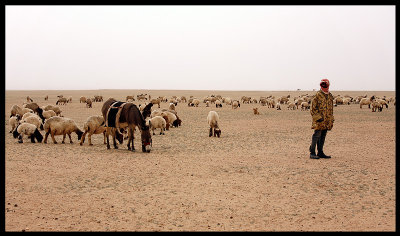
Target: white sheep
212 120
27 129
82 99
291 106
15 109
157 122
235 104
48 114
93 125
218 103
56 109
195 102
61 126
34 120
14 121
171 106
305 106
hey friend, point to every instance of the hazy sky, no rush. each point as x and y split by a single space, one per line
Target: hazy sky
200 47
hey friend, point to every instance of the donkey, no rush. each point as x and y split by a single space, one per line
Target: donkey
129 116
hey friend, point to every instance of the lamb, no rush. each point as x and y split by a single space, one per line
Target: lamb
61 126
255 111
14 121
158 122
93 125
27 129
212 120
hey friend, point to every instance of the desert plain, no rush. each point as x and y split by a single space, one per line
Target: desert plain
256 177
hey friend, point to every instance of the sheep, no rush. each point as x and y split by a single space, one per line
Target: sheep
61 126
235 104
278 106
15 109
27 129
291 106
171 106
82 99
69 99
89 103
255 111
34 120
130 98
305 106
376 105
26 115
171 118
48 114
35 107
46 98
383 103
157 122
62 101
56 109
195 102
156 101
93 125
28 99
218 103
14 121
207 103
212 120
366 101
183 99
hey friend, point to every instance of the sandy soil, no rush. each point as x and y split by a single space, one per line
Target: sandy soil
257 177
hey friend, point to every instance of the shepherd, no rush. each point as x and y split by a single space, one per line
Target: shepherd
119 115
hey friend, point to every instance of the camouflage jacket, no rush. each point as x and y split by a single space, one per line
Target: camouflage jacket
322 107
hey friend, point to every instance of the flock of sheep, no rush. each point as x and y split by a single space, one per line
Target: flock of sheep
29 119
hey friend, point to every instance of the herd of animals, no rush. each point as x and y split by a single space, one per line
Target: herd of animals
120 119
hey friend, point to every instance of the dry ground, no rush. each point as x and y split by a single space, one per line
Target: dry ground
256 177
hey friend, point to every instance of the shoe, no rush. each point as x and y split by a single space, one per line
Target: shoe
322 155
313 156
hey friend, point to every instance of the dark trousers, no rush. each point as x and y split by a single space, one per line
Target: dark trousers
318 139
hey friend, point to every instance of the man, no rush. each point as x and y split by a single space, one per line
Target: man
322 119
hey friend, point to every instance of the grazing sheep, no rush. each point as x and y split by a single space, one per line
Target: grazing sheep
278 106
26 115
48 114
35 107
376 106
34 120
218 103
157 122
46 98
27 129
291 106
367 101
255 111
61 126
13 121
62 101
166 122
212 120
156 101
207 103
195 102
28 99
171 106
305 106
183 99
171 118
130 98
89 103
383 103
82 99
15 109
177 122
235 104
93 125
56 109
69 99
